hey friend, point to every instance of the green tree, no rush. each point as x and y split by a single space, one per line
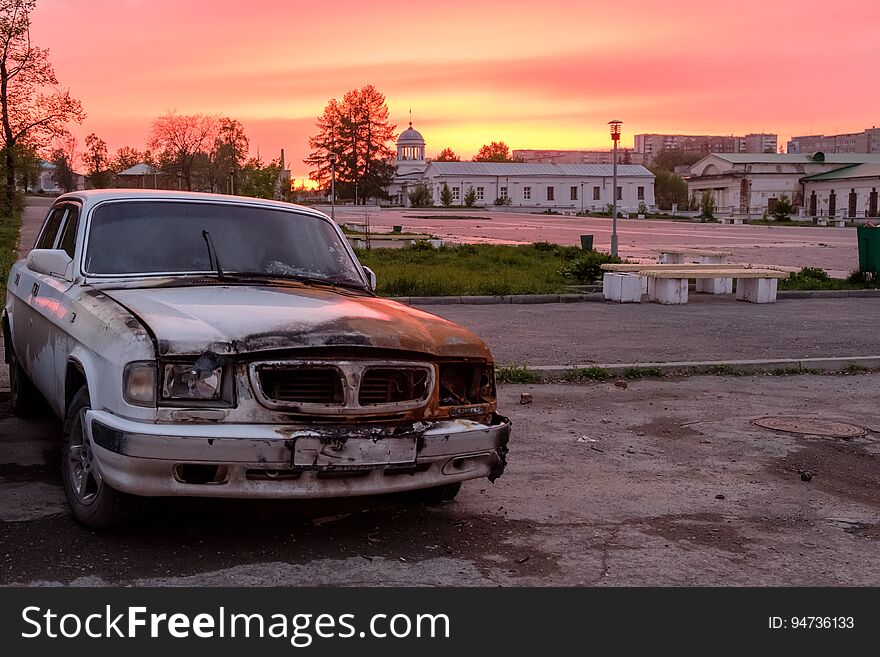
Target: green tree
446 195
228 154
668 189
470 197
421 197
669 158
33 108
179 139
125 158
357 132
260 180
97 162
496 151
447 155
707 205
783 209
63 175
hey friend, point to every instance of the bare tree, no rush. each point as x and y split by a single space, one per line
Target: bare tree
181 138
34 108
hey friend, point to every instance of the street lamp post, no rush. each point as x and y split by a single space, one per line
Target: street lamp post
333 186
232 181
615 138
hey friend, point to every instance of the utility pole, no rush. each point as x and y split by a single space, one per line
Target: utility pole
615 138
333 186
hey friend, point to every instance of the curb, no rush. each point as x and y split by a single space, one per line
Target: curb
510 298
598 296
851 364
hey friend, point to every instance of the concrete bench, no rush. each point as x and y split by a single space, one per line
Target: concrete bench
705 285
670 286
624 287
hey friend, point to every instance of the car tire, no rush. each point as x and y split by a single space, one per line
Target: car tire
438 494
93 502
26 399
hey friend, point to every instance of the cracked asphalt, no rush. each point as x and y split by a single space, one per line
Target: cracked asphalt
665 482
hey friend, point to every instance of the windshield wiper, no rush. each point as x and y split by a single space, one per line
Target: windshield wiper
299 278
213 260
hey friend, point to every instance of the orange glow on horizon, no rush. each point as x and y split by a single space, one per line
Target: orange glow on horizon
535 76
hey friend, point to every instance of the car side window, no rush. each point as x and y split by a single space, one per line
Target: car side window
50 229
68 233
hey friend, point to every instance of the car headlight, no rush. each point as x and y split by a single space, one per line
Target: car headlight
191 381
466 384
139 383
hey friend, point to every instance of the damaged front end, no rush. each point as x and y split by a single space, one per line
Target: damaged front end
317 423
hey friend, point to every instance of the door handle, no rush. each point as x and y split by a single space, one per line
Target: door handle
35 290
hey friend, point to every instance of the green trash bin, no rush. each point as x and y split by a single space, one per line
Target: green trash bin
869 248
587 242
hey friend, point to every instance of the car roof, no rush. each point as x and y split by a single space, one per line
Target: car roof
94 196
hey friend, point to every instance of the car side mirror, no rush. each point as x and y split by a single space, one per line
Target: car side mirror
51 262
371 278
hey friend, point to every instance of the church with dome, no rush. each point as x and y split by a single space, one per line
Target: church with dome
529 186
411 165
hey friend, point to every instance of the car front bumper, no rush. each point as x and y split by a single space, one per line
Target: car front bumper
271 461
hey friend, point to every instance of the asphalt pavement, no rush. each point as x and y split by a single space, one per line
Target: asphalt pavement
705 329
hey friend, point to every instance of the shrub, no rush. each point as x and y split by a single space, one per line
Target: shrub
707 205
421 196
783 209
864 279
470 197
587 267
446 195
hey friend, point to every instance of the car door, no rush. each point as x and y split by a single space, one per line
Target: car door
35 340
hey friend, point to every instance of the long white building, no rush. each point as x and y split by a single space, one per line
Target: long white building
749 184
558 187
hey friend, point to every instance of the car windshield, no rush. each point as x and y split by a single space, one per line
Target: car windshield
168 237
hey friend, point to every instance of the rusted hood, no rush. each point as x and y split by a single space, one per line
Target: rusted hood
241 319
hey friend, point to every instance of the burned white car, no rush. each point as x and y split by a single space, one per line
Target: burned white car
208 345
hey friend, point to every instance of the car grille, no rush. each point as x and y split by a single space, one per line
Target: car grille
303 385
387 385
343 387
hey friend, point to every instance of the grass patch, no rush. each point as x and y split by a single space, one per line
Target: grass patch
642 372
516 374
853 368
9 231
588 374
471 269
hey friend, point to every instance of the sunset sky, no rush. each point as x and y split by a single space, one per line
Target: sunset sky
547 74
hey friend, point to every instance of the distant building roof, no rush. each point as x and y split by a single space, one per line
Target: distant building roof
141 169
534 169
795 158
866 170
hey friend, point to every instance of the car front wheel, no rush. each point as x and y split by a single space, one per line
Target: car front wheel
438 494
92 501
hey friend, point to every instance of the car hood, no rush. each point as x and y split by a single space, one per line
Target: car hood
242 319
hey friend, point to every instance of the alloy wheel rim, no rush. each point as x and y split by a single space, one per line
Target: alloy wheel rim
85 480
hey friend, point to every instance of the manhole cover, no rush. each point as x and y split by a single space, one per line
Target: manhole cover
811 426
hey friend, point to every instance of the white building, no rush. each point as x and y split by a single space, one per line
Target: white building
747 184
577 187
560 187
849 191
